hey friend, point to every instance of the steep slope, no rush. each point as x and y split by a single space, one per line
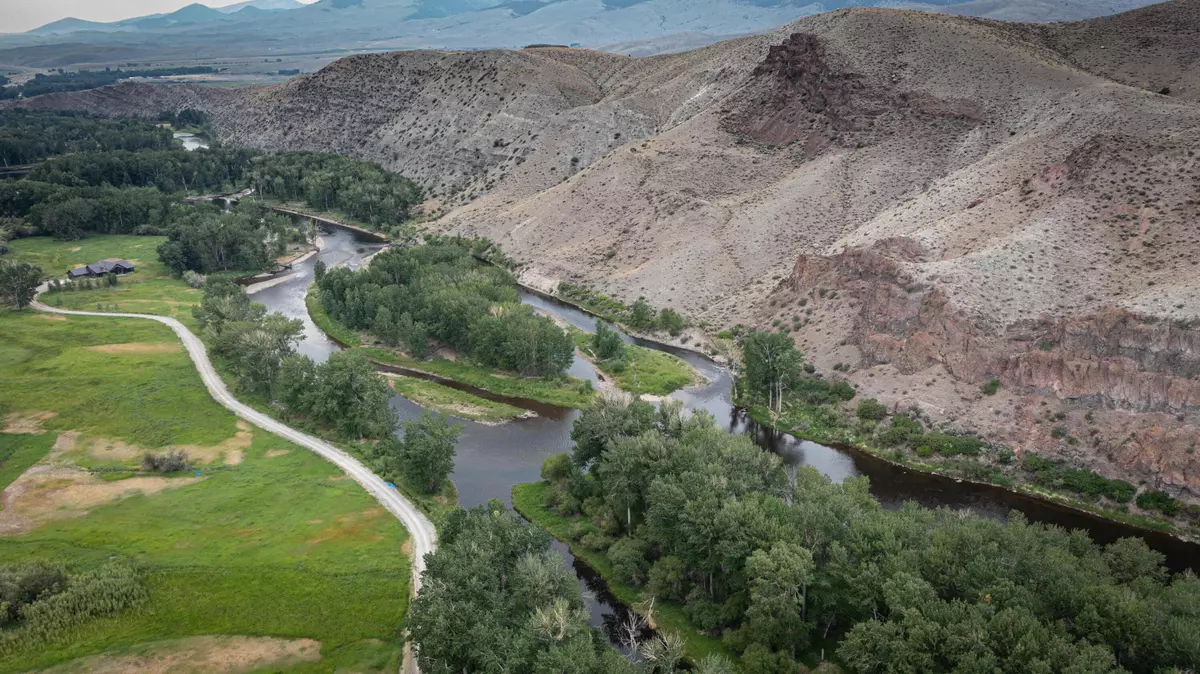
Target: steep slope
938 201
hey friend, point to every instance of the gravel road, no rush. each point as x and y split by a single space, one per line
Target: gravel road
420 529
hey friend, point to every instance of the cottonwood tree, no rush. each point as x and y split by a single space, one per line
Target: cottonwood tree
427 452
352 397
772 366
18 283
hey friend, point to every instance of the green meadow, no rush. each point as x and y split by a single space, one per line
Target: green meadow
269 540
149 290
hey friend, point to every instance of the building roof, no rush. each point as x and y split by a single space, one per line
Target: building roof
102 267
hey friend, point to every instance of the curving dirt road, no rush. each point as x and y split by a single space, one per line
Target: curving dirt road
420 529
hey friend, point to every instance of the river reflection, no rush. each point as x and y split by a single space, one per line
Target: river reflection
492 459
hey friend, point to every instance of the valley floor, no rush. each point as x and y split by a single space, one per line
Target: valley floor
260 537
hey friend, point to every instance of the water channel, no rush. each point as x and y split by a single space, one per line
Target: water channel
492 459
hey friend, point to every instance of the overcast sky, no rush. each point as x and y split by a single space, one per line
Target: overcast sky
18 16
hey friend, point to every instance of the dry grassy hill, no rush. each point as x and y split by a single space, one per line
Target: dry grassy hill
939 200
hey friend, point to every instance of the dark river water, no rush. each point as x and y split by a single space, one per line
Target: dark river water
491 459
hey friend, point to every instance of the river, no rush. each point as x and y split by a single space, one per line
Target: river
492 459
191 141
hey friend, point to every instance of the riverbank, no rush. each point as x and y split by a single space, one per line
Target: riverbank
529 500
453 402
846 439
560 393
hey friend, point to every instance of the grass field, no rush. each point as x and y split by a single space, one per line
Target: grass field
646 372
149 290
277 544
20 451
451 401
529 499
564 392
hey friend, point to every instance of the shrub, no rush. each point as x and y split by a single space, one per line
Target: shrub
170 462
991 387
924 451
954 445
1059 432
671 321
871 409
1160 501
194 279
61 606
628 559
557 467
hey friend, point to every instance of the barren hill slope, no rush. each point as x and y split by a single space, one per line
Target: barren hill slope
936 200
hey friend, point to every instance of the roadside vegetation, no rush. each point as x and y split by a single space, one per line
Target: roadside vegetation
779 565
269 540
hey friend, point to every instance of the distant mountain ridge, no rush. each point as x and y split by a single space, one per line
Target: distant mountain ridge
191 14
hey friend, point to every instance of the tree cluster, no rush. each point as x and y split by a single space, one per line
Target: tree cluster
344 393
62 80
424 457
206 240
326 182
252 343
778 560
411 296
496 599
27 136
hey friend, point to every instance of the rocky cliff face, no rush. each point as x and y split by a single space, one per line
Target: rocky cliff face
1136 375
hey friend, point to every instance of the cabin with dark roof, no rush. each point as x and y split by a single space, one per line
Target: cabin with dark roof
101 268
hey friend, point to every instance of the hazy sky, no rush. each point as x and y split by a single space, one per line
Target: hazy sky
17 16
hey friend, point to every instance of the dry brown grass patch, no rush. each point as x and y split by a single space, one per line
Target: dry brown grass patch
350 526
52 317
272 453
44 493
136 347
27 422
232 449
229 654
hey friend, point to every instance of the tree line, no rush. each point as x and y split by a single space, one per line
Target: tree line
781 561
495 598
413 296
78 80
27 136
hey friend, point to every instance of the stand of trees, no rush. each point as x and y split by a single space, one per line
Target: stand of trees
90 79
424 457
27 136
206 240
252 342
779 561
496 599
344 393
410 296
364 191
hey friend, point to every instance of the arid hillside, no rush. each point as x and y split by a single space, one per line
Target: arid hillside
937 201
